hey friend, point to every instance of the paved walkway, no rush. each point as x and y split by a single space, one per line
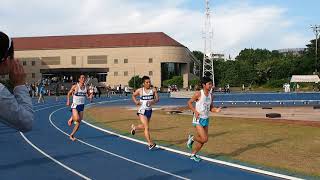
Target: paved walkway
287 113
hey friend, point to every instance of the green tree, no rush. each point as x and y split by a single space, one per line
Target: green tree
263 67
199 55
311 53
194 82
135 82
176 80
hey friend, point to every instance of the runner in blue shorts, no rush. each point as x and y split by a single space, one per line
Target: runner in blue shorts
204 105
80 93
148 97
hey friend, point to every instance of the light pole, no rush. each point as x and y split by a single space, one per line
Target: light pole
134 78
316 30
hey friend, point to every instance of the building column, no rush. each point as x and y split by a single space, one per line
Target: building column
185 69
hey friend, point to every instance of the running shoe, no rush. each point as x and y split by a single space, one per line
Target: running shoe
190 141
195 157
152 146
133 130
72 138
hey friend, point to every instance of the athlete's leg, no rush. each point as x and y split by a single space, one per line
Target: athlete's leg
81 115
76 119
145 123
70 121
139 127
135 128
200 138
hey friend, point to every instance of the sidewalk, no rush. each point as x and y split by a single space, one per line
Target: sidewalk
287 113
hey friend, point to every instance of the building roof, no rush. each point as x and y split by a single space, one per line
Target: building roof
291 50
305 78
152 39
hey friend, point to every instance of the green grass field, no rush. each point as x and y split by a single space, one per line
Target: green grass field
262 143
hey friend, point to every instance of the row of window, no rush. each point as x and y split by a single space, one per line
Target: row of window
33 63
33 75
116 73
125 73
116 61
91 60
104 60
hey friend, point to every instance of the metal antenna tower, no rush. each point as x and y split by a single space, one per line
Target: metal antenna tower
316 30
208 40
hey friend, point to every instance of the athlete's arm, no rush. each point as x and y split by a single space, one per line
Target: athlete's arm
156 96
88 92
73 88
194 98
212 108
134 96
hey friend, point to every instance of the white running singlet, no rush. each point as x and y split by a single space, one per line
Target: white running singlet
79 96
203 105
145 99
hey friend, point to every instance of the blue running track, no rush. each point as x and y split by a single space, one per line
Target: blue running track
46 153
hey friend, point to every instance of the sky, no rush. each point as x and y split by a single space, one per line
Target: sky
237 24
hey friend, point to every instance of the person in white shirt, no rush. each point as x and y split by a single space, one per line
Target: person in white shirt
126 90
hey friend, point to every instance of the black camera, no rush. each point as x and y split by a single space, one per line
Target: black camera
6 47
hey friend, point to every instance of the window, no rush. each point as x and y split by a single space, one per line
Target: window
33 75
116 61
115 73
150 73
50 60
150 60
102 77
29 59
125 60
101 59
73 60
125 73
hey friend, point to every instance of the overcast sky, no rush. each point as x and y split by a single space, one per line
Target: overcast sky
238 24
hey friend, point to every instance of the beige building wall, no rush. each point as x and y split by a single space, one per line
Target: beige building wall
119 73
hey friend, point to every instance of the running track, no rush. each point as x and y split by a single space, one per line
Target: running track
47 153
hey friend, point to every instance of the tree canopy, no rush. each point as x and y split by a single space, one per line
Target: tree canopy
264 67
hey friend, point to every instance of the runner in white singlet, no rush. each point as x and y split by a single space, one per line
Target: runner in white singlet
204 105
80 93
148 97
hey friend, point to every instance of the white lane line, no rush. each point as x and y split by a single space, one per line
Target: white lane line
113 154
47 107
203 157
48 156
38 105
54 160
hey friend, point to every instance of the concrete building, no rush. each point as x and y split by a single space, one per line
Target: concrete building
112 58
292 51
